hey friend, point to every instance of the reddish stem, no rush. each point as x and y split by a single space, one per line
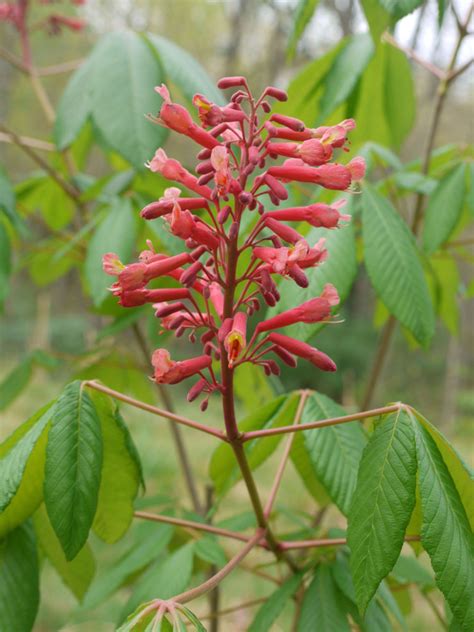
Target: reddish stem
156 411
253 434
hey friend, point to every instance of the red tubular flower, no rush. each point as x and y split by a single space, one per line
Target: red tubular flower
283 231
311 151
168 371
173 170
303 350
330 176
165 204
312 311
211 114
319 215
141 296
177 118
236 340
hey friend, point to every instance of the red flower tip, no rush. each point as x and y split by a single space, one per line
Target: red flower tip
231 82
303 350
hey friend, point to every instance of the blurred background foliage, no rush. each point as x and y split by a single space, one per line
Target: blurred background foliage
58 321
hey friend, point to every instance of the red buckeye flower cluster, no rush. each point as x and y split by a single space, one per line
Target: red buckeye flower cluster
236 248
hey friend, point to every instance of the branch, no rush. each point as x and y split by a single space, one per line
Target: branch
42 96
268 432
156 411
412 54
213 581
458 71
14 60
70 190
57 69
286 454
35 143
311 544
190 524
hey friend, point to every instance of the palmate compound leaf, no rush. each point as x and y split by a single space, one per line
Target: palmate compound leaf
121 472
445 531
76 574
382 503
323 608
19 580
22 459
73 468
334 451
394 267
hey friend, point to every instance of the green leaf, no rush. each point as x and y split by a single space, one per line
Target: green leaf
149 541
183 70
116 233
322 605
223 468
49 199
253 387
121 472
208 549
444 209
460 472
15 382
448 280
22 457
73 468
272 608
375 619
344 73
304 466
8 199
123 78
377 17
445 531
400 8
335 451
306 89
303 14
340 269
385 105
382 504
19 580
414 181
383 154
408 570
14 460
5 263
165 579
45 267
393 265
75 104
76 574
192 617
